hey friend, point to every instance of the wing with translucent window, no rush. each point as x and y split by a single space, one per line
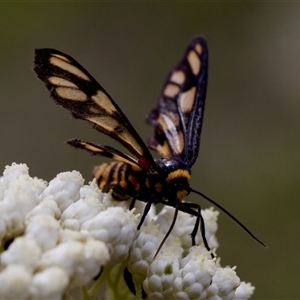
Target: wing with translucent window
178 116
76 90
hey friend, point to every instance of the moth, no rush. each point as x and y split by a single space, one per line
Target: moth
177 119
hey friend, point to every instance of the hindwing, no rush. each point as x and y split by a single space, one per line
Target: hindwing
76 90
105 151
178 116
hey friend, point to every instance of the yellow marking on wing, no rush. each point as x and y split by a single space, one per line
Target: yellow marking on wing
180 142
61 57
178 77
186 100
168 121
126 135
175 138
93 110
114 156
92 148
103 101
71 94
198 49
174 117
107 122
162 121
61 63
135 168
194 62
61 82
111 124
164 150
178 174
171 90
126 161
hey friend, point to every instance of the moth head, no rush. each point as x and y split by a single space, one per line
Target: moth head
177 183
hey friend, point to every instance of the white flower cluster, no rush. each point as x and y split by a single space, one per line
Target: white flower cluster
56 238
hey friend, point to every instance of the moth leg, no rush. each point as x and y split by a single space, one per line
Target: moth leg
146 210
190 209
130 284
132 203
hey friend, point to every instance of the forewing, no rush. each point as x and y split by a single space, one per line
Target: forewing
75 89
178 116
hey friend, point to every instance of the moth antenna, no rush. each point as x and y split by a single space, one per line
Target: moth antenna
170 229
229 215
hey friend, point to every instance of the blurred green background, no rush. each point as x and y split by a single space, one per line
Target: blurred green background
250 146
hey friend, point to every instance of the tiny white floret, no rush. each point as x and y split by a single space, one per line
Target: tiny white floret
64 189
22 251
15 282
49 284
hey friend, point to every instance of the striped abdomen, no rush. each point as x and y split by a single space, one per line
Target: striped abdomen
121 178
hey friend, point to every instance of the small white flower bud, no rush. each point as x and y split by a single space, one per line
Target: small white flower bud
161 275
83 210
13 171
22 251
64 189
44 229
82 261
68 234
224 283
143 250
244 291
195 275
46 207
15 282
49 284
116 227
19 199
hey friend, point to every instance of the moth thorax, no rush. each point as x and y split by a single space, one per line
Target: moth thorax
177 182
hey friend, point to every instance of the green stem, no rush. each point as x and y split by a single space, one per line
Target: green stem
93 290
114 281
138 291
84 293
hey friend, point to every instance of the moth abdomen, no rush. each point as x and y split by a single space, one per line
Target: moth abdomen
121 178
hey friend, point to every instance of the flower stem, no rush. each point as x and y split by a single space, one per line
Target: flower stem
93 290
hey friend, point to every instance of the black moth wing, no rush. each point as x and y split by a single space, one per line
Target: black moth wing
72 87
178 116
